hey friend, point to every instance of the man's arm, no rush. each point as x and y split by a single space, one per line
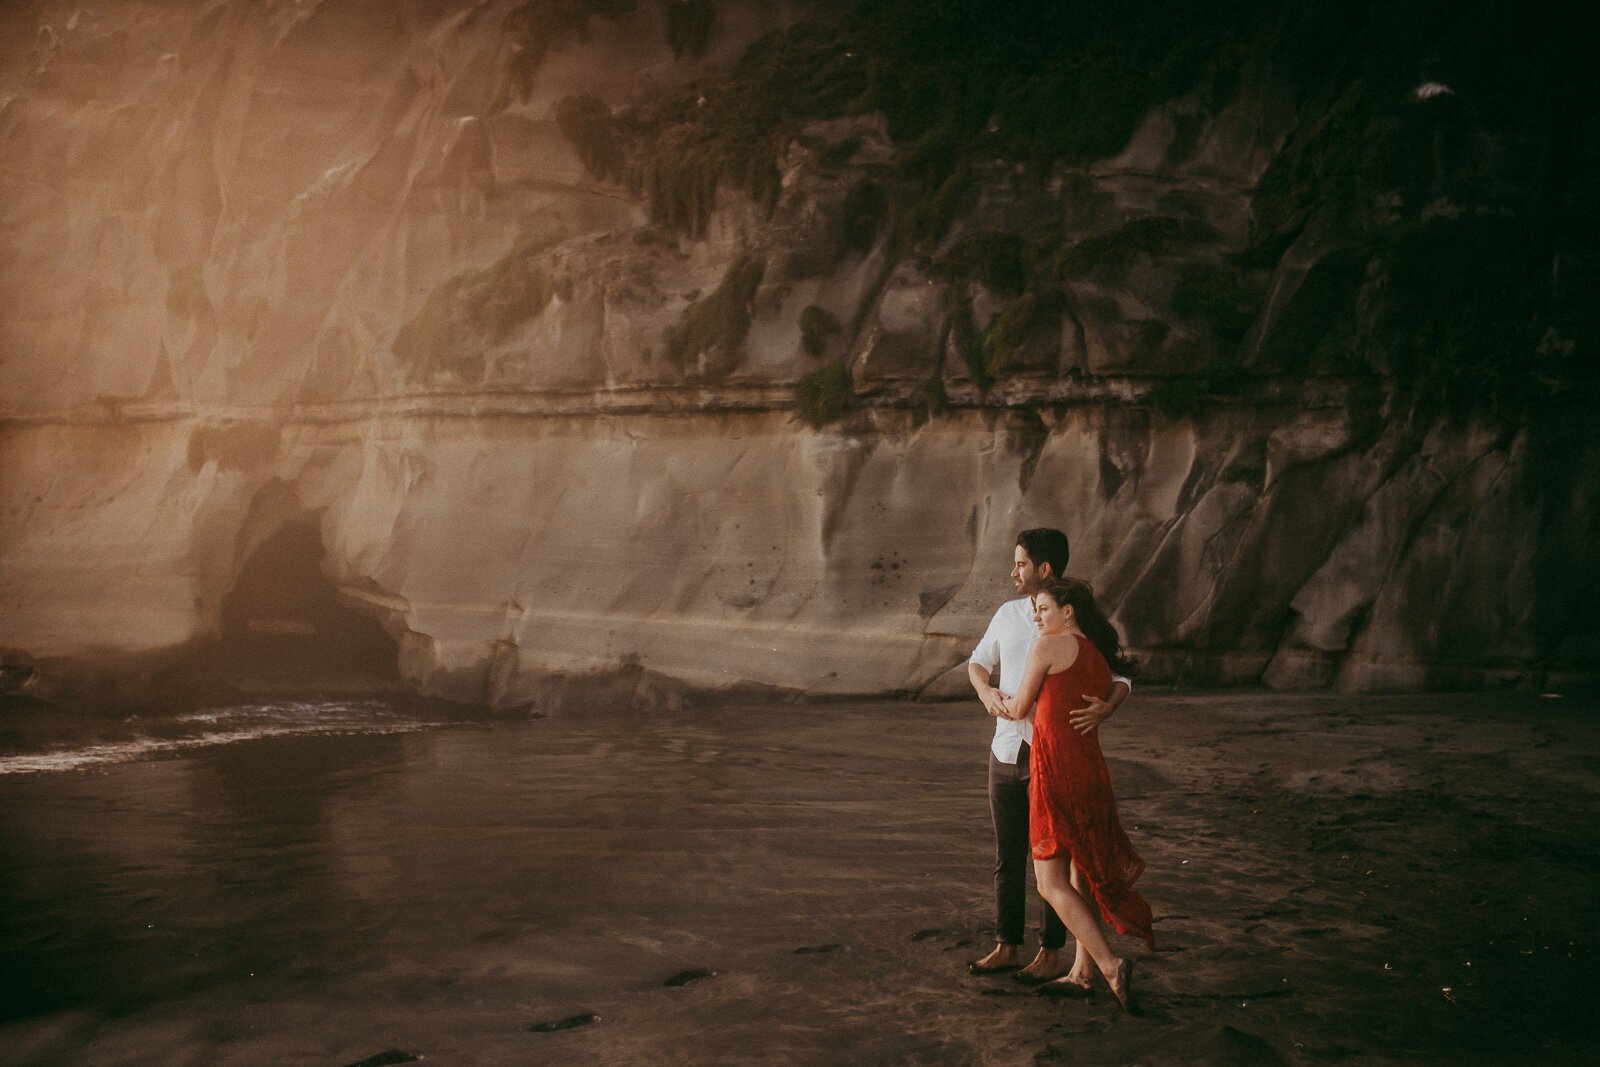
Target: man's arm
993 699
1087 719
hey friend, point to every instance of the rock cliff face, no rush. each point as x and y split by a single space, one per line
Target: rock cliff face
458 320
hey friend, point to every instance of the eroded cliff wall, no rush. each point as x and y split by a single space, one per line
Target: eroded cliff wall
569 389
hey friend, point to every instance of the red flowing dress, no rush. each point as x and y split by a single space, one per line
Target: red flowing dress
1072 813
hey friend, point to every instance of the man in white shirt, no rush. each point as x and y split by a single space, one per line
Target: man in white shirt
1040 554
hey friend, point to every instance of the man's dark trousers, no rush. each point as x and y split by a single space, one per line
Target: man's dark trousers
1008 805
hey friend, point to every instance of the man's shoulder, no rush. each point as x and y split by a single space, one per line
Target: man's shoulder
1010 619
1014 611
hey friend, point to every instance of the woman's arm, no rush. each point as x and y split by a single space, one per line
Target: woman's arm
1050 652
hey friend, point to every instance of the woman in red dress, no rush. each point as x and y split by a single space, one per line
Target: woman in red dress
1082 861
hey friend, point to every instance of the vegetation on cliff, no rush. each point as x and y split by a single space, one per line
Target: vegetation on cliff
824 395
1442 156
1452 151
707 339
1033 82
817 324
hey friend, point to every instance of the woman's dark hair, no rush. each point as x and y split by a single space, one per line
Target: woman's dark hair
1078 595
1045 545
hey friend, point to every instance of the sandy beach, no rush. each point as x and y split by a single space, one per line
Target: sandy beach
1335 879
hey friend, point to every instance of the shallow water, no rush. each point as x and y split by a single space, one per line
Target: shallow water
794 884
334 883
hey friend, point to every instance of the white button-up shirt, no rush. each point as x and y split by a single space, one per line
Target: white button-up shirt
1004 652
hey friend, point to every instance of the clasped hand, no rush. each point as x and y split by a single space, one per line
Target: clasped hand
1003 707
1086 720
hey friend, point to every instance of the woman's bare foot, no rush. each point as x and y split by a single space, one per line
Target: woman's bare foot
1046 967
1121 982
1003 958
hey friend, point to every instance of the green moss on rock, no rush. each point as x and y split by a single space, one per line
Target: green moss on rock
1029 316
717 324
961 331
928 219
824 395
586 122
817 324
994 258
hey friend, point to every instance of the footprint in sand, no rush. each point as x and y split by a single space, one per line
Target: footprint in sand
694 974
384 1059
583 1018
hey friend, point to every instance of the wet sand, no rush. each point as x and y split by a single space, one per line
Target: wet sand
1335 879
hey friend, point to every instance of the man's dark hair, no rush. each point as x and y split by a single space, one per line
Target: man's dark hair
1045 545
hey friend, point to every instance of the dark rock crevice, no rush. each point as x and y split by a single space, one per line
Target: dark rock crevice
284 619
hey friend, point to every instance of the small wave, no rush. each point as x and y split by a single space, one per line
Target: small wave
228 725
309 713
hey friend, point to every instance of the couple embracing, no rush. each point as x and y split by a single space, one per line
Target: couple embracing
1049 788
